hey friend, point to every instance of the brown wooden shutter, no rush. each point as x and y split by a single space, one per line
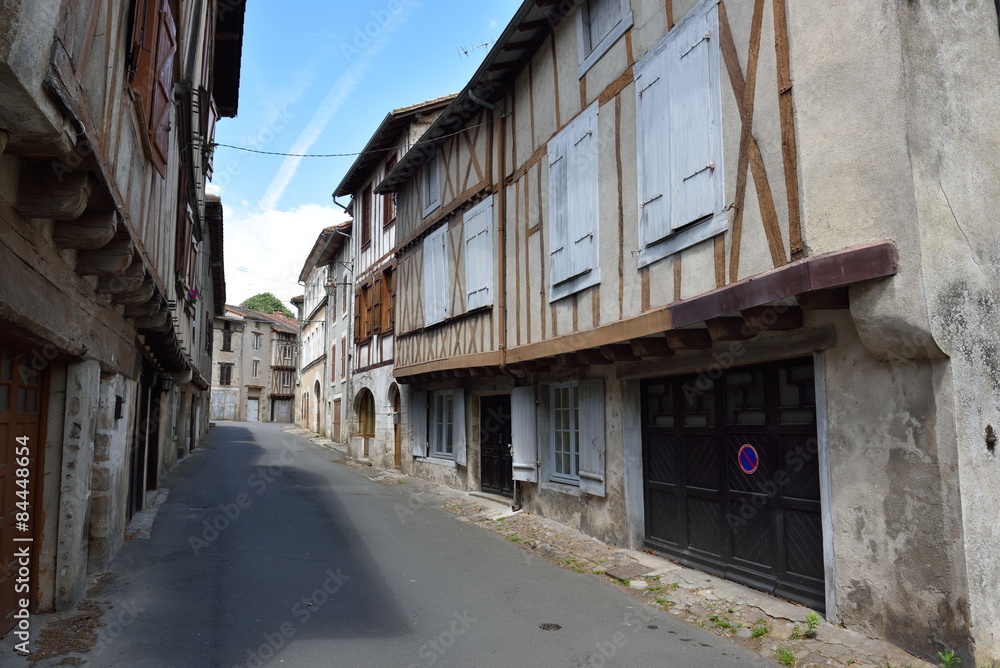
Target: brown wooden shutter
357 317
389 301
366 298
377 305
366 217
162 102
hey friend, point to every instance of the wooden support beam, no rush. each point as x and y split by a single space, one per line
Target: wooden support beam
834 298
129 281
113 258
655 346
50 190
729 329
570 360
592 356
774 318
688 339
620 352
144 310
92 230
140 296
158 322
517 46
532 25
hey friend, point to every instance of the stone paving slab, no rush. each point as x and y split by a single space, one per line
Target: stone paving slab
760 622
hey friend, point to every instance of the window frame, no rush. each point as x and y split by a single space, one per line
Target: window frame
438 420
255 368
591 53
225 374
255 342
573 429
649 70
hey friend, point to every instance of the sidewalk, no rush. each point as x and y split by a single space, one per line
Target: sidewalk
774 628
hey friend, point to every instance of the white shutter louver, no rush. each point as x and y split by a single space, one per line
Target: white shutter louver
458 426
435 276
652 139
591 402
418 424
559 264
524 433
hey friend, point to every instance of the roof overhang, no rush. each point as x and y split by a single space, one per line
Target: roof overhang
325 249
531 23
384 139
228 56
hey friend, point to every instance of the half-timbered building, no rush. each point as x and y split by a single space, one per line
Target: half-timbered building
110 268
717 279
374 403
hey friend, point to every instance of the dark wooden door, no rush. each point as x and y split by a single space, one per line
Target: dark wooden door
496 460
731 472
22 399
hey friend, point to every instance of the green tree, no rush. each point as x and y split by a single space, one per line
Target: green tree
265 302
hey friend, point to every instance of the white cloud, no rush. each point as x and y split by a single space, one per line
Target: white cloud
341 90
265 250
213 189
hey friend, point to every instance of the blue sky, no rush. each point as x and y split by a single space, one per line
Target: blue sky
319 79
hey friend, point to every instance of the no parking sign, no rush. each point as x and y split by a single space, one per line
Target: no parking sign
748 458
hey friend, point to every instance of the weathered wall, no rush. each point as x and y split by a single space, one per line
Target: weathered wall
378 381
110 473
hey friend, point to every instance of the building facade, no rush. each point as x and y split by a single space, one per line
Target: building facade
375 427
707 271
253 378
112 268
323 330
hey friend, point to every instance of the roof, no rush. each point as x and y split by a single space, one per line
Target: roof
328 242
509 55
229 27
277 321
213 220
385 137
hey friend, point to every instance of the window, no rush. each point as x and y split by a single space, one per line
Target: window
478 226
286 378
366 217
430 186
256 341
573 218
366 415
208 332
333 362
436 284
227 337
569 418
343 305
600 24
565 434
442 407
225 374
256 368
438 425
364 323
152 74
343 356
389 199
289 352
679 138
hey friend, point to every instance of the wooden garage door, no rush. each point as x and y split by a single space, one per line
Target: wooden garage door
731 476
21 397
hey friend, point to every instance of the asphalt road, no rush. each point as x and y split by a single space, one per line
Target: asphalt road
268 553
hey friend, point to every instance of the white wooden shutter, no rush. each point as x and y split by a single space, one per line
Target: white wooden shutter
653 141
559 264
524 433
604 15
435 276
590 395
573 190
430 185
478 224
582 193
418 424
692 160
458 427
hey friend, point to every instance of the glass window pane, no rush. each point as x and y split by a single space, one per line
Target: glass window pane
4 398
32 400
6 366
22 399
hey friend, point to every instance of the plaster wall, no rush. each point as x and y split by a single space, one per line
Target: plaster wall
380 448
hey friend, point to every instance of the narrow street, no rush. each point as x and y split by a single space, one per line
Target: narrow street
268 553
